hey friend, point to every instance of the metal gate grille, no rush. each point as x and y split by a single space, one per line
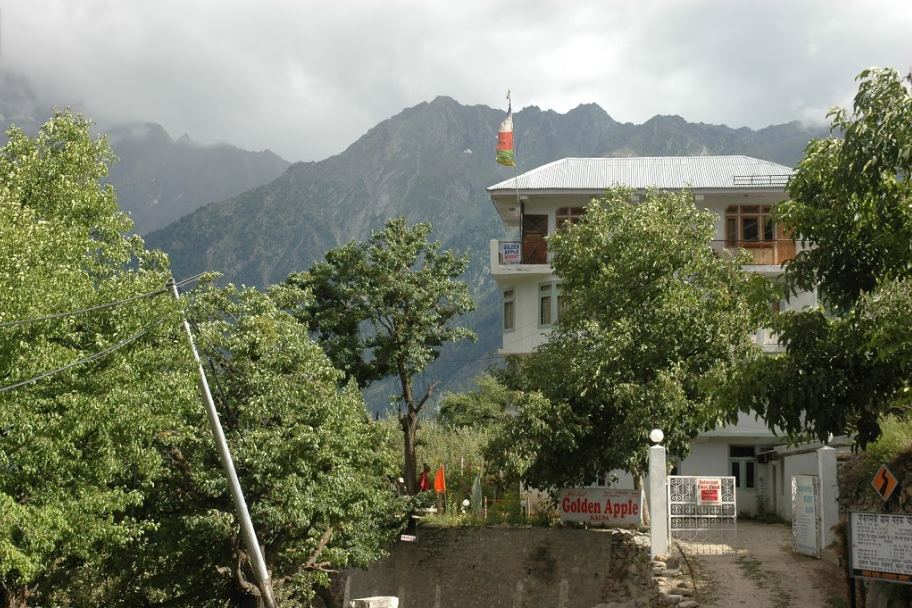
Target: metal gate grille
705 529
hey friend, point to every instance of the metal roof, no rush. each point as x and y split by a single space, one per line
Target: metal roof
663 172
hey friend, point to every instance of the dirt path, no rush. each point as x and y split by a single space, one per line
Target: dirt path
766 574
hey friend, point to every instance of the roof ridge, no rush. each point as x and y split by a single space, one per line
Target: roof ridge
711 171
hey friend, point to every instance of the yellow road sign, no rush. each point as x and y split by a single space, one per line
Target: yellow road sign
884 482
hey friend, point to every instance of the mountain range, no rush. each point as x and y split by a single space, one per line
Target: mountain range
157 179
431 162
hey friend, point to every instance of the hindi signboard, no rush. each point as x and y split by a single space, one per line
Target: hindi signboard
881 546
709 491
805 498
602 506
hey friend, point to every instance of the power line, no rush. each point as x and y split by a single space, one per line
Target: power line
99 307
97 355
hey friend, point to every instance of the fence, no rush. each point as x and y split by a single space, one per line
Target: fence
705 524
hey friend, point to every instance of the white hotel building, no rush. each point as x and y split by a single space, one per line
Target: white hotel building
740 190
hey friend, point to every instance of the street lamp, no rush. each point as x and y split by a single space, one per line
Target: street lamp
656 435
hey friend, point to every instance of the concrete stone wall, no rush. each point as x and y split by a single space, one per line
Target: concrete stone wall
477 567
522 568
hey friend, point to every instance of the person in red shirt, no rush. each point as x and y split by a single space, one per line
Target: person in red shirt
424 484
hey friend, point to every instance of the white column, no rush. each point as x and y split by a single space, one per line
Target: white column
829 494
658 499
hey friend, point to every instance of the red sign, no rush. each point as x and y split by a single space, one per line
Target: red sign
709 491
602 506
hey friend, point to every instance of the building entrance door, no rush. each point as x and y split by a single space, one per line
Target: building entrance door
534 247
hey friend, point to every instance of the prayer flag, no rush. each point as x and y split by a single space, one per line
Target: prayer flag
440 481
505 138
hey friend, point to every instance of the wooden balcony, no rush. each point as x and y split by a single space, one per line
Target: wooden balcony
764 253
519 256
516 257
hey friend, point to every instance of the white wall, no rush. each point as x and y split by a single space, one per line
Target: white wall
821 463
526 335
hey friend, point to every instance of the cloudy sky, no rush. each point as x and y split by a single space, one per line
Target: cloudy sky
306 78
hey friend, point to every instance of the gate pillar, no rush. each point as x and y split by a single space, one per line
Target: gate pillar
658 502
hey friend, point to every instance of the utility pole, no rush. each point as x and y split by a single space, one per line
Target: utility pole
234 486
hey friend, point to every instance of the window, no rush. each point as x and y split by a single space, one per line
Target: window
551 303
544 306
508 310
748 226
742 462
568 214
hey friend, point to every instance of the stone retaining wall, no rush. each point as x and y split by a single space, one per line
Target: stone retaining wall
519 567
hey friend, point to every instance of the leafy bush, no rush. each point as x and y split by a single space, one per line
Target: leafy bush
895 439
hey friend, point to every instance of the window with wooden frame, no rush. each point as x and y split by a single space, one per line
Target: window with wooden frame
749 226
551 303
568 214
508 310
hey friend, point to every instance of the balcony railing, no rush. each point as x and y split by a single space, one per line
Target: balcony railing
772 181
518 252
765 253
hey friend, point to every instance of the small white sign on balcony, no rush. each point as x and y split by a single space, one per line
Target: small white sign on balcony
511 253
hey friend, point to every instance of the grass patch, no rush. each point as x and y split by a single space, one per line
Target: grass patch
752 568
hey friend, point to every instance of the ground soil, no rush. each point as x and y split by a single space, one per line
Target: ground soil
765 573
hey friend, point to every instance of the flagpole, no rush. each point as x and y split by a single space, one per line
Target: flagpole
506 151
515 162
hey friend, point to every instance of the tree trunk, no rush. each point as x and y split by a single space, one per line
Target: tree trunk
13 596
327 597
409 422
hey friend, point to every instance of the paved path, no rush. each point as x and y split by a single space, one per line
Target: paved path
766 574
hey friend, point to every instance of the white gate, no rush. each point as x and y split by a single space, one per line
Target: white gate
703 514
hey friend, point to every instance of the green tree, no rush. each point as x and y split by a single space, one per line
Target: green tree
110 490
384 307
851 208
76 446
653 321
307 457
483 406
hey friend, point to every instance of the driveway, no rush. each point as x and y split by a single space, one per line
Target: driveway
766 574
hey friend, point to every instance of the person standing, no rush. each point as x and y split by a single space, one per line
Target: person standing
424 484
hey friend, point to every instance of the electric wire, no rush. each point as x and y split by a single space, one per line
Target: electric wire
92 357
100 306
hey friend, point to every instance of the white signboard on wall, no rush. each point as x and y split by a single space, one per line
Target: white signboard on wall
511 253
881 546
602 506
805 516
